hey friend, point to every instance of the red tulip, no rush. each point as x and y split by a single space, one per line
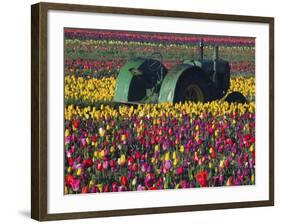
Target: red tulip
135 167
201 178
226 163
75 124
68 180
88 162
138 154
85 189
94 138
99 166
106 188
70 161
112 163
124 180
153 188
170 131
179 170
130 160
114 186
229 141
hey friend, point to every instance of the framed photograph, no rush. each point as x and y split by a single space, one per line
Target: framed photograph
139 111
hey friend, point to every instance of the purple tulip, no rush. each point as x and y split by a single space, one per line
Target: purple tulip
165 145
140 188
167 164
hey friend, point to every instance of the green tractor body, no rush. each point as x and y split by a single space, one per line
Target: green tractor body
147 80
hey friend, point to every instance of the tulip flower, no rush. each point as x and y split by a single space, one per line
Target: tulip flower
122 160
75 124
167 164
75 184
180 170
140 188
124 180
184 184
201 178
149 180
101 132
68 180
70 161
167 156
78 172
85 189
88 162
182 149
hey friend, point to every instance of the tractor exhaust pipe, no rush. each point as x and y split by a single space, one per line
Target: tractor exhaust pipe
201 50
215 59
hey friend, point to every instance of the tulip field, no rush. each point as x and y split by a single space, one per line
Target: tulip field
112 147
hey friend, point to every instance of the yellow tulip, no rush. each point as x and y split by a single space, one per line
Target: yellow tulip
211 150
156 148
122 160
91 183
69 169
174 155
78 173
167 156
253 178
228 182
101 154
96 153
221 163
123 138
252 148
112 149
182 149
101 132
100 186
66 133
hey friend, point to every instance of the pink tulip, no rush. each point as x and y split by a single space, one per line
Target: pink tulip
75 184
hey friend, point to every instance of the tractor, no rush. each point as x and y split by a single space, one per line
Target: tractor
146 80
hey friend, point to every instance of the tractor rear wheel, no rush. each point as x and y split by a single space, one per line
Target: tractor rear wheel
192 88
236 97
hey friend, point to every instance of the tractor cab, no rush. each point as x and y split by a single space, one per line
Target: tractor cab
140 80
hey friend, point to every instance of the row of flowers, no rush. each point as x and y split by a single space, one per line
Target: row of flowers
93 89
99 69
83 34
157 110
158 147
112 50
